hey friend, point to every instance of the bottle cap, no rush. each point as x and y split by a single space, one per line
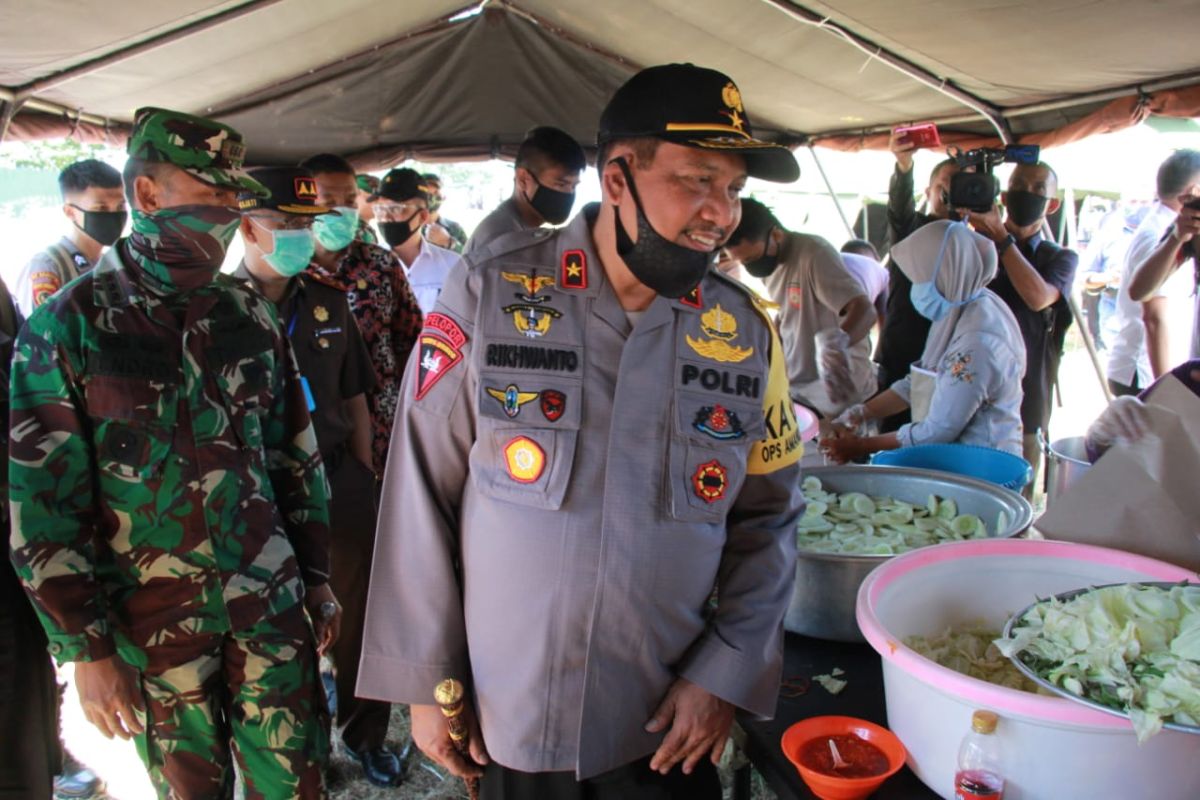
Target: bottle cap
984 721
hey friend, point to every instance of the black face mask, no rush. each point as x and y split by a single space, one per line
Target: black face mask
669 269
397 233
551 204
764 265
103 226
1025 208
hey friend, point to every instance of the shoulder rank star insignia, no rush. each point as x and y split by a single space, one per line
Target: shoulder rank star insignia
321 314
511 399
721 327
531 283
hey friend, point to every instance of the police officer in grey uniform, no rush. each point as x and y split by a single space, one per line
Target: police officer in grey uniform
594 433
336 372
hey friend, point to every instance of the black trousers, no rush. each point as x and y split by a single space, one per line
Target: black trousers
1123 390
633 781
31 755
363 723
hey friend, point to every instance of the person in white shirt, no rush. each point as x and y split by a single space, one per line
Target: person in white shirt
402 211
1140 351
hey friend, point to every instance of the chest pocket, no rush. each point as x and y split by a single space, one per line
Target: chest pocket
528 426
710 441
134 422
243 371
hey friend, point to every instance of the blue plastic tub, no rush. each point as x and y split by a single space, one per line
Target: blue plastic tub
985 463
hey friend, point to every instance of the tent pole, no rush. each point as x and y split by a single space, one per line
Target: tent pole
991 113
8 109
125 53
829 187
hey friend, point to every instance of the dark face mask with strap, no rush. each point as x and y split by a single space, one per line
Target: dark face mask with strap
103 226
668 268
552 205
765 264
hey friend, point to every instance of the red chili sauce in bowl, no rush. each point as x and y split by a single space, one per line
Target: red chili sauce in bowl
864 759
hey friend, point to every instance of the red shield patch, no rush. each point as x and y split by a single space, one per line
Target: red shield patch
794 295
440 349
554 404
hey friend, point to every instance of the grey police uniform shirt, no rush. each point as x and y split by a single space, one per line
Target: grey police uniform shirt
43 275
811 286
562 495
504 218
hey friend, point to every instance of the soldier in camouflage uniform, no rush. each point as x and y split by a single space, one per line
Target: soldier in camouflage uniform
169 505
368 192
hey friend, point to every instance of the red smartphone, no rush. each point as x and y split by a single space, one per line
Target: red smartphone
923 135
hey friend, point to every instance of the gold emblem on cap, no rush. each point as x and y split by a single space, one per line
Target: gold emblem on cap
732 97
321 314
721 328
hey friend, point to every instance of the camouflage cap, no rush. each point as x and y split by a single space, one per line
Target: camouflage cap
368 184
203 148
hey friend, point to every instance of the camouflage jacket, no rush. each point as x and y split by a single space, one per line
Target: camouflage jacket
165 479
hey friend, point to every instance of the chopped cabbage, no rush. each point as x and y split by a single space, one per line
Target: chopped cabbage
854 523
970 650
1132 648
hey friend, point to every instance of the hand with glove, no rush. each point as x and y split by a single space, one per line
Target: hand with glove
1125 420
833 365
852 420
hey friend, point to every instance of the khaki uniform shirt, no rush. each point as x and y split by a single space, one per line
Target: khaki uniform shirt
811 285
503 219
47 272
562 496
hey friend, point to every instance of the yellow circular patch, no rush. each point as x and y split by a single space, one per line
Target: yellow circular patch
524 459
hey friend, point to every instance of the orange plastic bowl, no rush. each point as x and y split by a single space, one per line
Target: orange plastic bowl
830 787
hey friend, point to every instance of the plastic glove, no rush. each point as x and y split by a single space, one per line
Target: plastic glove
852 420
1125 420
833 365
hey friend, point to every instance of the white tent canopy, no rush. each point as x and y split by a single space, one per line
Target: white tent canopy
381 80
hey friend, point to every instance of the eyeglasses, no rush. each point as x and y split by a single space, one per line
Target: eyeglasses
284 222
397 211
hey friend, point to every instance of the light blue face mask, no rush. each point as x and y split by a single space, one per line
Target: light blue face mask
926 299
291 253
336 231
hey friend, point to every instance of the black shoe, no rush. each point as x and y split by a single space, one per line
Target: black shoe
380 766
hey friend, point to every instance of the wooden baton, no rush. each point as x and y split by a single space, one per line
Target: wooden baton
449 697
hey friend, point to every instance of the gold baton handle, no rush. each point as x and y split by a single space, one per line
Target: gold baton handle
449 696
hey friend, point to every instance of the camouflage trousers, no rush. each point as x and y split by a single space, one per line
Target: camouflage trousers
253 695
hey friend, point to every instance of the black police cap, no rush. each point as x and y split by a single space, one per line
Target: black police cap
403 184
293 191
695 107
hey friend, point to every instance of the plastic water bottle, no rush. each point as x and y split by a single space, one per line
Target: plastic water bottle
980 773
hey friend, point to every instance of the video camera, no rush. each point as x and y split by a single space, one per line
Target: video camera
977 189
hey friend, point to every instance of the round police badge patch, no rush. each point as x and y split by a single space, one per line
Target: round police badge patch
524 459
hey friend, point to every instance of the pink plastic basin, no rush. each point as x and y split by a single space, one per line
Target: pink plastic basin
1058 748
